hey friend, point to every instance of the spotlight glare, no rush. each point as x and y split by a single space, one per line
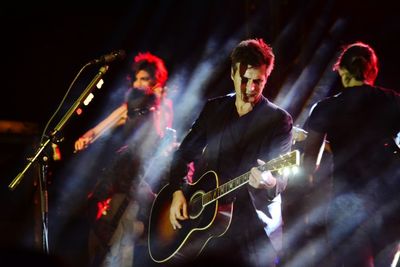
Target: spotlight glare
295 170
286 171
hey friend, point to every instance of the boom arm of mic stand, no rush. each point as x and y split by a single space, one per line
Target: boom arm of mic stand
80 100
60 125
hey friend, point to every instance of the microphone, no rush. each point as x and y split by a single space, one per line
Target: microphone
115 55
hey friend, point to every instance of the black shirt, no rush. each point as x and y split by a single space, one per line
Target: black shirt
360 124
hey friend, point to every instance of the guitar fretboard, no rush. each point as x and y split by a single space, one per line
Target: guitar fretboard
225 188
292 158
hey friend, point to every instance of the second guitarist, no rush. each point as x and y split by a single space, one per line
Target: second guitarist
120 201
229 136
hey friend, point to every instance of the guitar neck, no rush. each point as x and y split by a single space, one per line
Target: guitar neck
230 186
289 159
226 188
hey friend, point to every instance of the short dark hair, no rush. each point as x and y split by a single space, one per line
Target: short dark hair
360 60
152 64
254 52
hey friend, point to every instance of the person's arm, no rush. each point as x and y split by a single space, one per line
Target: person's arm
313 146
116 118
190 148
279 143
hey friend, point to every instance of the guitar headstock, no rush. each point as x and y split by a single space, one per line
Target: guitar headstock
287 163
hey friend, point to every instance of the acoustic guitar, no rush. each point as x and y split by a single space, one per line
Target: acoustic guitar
207 217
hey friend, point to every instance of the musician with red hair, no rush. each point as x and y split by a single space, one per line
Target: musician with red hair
128 166
147 73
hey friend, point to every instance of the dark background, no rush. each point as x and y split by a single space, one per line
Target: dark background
44 45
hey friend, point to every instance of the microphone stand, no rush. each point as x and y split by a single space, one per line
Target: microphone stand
54 138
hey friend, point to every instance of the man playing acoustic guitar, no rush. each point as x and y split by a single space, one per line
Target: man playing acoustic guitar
229 137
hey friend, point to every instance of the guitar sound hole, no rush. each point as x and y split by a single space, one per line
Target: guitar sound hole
196 205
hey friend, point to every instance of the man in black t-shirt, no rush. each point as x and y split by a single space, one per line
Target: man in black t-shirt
360 124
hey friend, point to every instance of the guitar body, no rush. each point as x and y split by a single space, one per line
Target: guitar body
207 217
204 223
